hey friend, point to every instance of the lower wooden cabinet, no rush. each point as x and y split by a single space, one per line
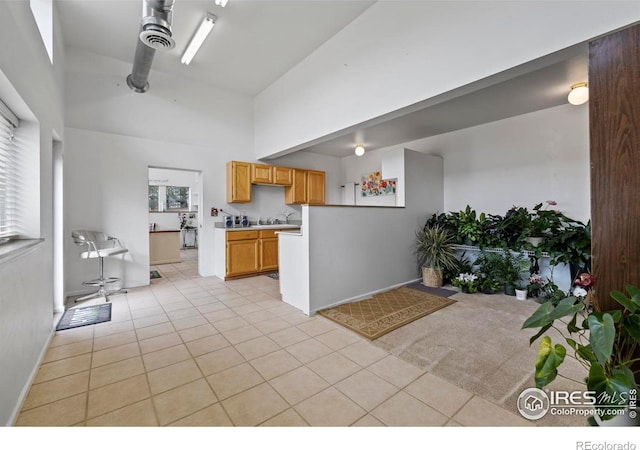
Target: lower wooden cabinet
251 252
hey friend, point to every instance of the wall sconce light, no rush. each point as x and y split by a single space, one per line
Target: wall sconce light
579 93
198 39
359 150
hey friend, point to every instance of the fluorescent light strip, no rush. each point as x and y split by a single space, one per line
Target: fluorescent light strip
196 42
222 3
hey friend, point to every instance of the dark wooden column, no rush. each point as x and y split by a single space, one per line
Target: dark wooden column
614 116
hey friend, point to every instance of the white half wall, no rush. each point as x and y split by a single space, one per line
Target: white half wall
399 53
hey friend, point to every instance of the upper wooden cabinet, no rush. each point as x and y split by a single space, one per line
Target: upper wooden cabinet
301 186
296 193
238 182
315 187
261 174
308 187
282 176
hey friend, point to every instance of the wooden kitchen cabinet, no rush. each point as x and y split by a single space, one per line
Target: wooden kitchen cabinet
268 244
251 252
282 176
296 194
315 187
238 182
242 253
261 174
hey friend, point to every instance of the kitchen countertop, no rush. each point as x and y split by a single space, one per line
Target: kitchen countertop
164 231
281 226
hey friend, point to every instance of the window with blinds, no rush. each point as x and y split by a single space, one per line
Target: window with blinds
11 177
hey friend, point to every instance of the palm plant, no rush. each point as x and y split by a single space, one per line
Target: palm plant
435 252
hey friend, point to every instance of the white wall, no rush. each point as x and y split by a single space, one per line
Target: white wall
354 167
31 86
114 135
521 161
412 51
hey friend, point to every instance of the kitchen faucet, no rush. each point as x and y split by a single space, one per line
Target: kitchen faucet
286 216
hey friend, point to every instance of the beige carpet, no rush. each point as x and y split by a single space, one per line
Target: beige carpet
385 312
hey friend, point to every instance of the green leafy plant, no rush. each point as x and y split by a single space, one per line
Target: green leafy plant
511 269
469 226
606 343
467 282
490 285
434 248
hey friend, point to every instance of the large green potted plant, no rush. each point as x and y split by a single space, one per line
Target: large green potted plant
605 343
435 251
511 270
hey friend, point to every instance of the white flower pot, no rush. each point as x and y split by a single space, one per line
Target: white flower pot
534 240
521 294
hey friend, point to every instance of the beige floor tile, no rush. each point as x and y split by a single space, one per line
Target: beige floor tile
165 357
296 318
212 307
368 421
234 380
258 316
220 315
395 370
198 332
317 326
141 414
274 364
338 339
439 394
257 347
363 353
207 345
288 336
113 340
452 423
63 367
366 389
177 305
201 301
51 391
146 312
298 384
65 412
246 309
241 334
329 408
189 322
68 350
219 360
272 325
288 418
169 377
151 320
232 299
309 350
159 342
114 354
72 336
479 412
155 330
108 328
334 367
212 416
114 372
254 406
230 324
117 395
402 410
142 303
183 401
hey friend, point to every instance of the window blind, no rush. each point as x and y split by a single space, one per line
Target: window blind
11 179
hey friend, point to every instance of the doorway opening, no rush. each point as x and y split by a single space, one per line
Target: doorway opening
174 223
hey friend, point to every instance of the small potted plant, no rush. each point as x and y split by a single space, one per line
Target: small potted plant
512 267
490 286
467 282
536 285
435 252
521 291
